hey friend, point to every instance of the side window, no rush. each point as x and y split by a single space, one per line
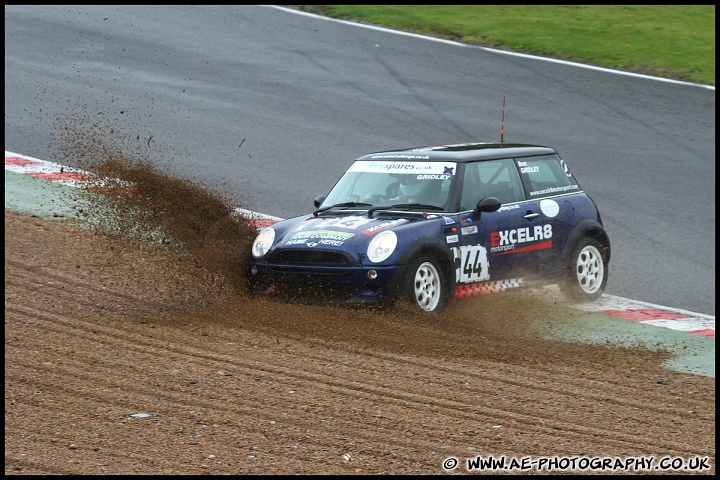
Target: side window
546 176
495 178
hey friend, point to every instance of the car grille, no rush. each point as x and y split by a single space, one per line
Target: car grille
324 258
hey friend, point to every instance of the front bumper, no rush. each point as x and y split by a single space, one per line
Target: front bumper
350 285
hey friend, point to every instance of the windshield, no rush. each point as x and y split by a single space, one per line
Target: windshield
381 184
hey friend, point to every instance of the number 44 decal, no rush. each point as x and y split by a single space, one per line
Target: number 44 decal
471 264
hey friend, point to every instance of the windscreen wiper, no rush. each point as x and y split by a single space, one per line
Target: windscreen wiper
342 205
406 206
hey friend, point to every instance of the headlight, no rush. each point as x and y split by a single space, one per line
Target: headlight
382 246
263 242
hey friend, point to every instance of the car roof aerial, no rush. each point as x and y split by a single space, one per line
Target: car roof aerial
461 152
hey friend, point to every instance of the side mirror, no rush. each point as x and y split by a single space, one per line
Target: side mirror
487 204
318 200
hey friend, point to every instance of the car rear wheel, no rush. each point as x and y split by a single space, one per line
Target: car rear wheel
587 272
426 285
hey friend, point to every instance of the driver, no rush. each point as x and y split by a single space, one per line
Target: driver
413 190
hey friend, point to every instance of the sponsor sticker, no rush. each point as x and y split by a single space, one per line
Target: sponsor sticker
431 170
550 208
352 222
312 238
507 241
505 208
384 226
565 168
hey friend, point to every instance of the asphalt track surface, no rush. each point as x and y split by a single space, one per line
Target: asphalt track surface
35 187
274 106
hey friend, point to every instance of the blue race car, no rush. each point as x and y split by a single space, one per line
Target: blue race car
437 223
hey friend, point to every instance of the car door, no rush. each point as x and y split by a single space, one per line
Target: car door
501 245
550 185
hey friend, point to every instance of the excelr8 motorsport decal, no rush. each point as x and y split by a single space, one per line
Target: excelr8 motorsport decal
504 242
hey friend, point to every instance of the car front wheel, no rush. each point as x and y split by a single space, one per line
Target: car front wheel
587 272
426 286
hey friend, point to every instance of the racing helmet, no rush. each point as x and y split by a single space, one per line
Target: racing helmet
411 186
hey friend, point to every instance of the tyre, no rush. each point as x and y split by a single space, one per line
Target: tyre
587 273
426 284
